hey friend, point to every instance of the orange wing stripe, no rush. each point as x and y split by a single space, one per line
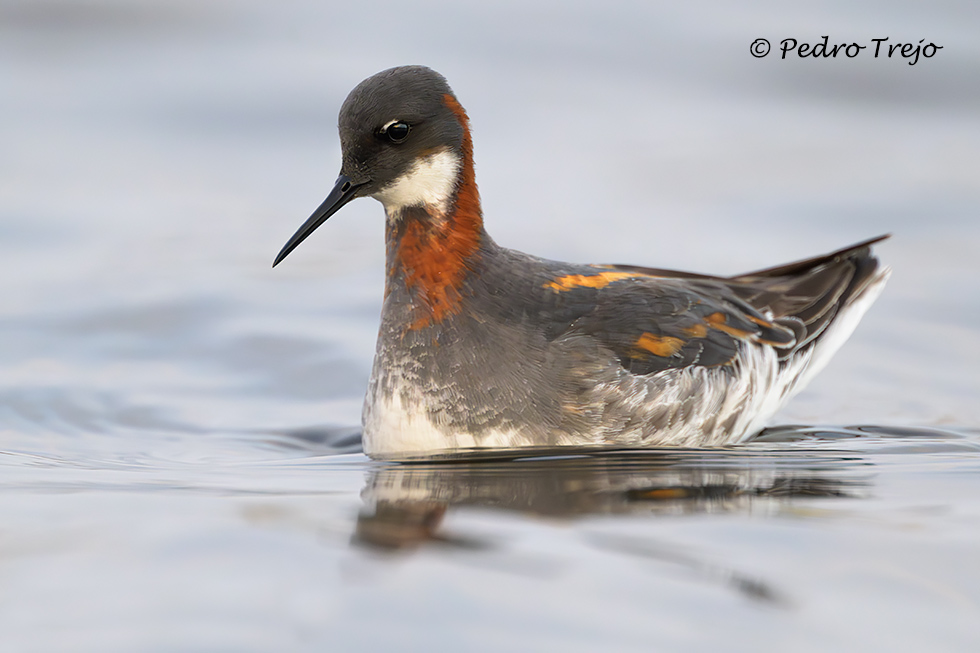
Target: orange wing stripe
601 280
719 321
662 346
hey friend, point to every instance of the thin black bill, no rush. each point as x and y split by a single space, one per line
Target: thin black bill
344 191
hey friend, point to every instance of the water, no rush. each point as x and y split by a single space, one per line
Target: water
178 421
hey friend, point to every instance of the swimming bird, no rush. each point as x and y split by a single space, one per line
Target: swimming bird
483 347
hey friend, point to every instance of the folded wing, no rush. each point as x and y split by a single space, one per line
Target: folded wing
660 319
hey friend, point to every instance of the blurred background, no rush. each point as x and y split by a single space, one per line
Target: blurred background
156 155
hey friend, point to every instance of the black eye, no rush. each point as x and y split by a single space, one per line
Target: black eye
396 131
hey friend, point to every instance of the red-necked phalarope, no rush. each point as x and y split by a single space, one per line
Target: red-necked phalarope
482 346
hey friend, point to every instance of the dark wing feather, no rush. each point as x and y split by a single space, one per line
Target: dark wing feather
657 324
813 291
663 319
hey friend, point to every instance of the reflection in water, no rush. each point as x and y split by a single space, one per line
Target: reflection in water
405 505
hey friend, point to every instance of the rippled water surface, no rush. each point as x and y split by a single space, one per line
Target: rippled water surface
179 455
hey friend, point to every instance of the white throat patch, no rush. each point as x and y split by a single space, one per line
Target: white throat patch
429 182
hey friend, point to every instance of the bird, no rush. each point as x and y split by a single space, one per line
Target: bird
482 348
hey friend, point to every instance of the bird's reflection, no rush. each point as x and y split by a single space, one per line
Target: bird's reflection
405 505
